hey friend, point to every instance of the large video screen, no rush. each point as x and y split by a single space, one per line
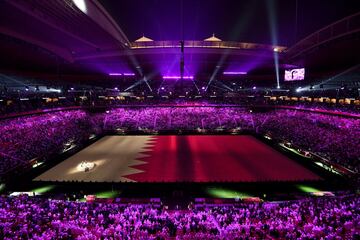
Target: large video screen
295 74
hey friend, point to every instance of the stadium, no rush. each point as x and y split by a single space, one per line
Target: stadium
183 119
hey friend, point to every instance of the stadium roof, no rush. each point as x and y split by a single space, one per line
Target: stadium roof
92 37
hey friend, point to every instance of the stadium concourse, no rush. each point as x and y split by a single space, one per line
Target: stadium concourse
162 119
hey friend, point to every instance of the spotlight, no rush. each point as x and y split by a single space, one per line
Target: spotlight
81 4
26 88
116 88
276 49
254 87
162 88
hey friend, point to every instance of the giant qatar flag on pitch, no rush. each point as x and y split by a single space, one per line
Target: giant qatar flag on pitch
180 159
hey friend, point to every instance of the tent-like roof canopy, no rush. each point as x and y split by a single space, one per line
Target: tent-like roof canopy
213 39
144 39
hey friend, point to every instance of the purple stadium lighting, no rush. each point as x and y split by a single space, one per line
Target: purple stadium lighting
129 74
121 74
234 73
178 77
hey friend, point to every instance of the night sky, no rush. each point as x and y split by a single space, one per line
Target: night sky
231 20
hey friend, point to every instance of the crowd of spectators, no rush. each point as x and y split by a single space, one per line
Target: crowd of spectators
181 118
26 217
320 107
333 137
36 101
25 138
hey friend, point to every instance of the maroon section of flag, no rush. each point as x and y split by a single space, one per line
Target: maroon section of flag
216 159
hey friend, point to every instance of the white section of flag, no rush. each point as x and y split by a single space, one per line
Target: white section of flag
114 156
